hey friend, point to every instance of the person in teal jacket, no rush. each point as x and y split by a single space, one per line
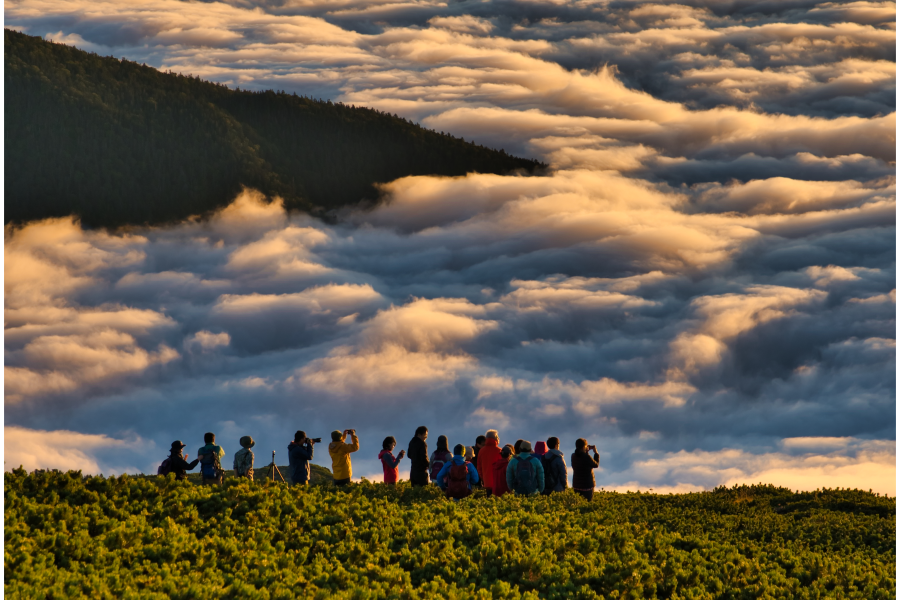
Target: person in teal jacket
210 456
525 473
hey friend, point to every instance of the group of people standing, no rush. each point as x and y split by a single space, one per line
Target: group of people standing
209 457
516 468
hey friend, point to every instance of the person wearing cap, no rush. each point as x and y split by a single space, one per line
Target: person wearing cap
458 475
525 474
300 452
340 452
243 458
177 462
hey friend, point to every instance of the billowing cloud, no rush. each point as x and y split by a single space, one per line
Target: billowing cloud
68 450
804 464
703 281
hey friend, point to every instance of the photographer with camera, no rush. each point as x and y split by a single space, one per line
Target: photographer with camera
340 455
300 452
583 468
390 464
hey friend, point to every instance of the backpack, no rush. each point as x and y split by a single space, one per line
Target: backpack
549 477
165 467
210 468
525 476
438 463
458 481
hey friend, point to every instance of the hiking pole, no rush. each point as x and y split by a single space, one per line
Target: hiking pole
273 468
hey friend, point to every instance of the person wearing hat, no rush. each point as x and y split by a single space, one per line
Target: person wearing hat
243 458
340 455
525 473
177 462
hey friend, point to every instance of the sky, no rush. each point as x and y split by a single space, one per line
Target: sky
702 284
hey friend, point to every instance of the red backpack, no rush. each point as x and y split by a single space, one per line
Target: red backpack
458 481
438 460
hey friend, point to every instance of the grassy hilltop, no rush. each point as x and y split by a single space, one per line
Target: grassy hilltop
127 537
117 142
318 475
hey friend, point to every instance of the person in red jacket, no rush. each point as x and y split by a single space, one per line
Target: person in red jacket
499 471
388 462
487 456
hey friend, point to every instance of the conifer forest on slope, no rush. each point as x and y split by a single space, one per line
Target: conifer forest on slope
118 143
69 536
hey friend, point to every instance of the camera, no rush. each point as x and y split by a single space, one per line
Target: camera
316 440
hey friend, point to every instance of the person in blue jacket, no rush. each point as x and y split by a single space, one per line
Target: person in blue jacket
452 485
299 455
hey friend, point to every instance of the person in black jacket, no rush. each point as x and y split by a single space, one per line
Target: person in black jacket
177 463
418 454
583 468
556 477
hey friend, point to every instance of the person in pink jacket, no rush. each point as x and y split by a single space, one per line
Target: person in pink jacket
388 462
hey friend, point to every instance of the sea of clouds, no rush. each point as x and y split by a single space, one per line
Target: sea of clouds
703 284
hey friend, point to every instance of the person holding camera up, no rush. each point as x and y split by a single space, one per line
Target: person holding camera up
300 452
583 468
388 462
340 455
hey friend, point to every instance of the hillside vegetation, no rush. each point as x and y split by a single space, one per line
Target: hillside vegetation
116 142
127 537
318 475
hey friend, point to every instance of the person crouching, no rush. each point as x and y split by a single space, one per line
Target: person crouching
458 476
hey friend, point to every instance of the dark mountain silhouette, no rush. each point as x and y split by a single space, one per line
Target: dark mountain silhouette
116 142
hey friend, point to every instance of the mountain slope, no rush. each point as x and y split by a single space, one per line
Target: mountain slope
117 143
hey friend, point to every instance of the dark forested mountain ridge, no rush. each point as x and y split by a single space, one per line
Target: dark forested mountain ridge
116 142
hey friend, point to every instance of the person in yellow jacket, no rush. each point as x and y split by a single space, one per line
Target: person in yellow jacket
340 455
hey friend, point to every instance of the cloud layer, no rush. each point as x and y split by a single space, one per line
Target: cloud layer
703 283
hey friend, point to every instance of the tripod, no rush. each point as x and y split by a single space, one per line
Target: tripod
273 469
